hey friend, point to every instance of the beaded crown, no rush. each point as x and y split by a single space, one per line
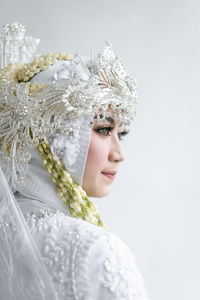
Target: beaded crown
31 112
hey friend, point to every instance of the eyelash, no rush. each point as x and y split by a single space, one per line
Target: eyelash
109 129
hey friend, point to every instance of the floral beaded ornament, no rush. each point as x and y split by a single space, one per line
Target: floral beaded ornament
33 114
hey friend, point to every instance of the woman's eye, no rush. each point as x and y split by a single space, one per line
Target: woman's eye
122 134
104 130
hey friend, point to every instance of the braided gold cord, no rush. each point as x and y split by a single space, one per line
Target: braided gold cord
78 203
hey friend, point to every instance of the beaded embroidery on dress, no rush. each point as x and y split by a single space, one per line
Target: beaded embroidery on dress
68 249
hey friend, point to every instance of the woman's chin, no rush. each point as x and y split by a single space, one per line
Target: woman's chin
103 192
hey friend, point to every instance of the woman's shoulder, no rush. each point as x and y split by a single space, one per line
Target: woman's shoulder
59 226
84 259
47 221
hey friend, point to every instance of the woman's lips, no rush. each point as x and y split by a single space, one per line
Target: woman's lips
110 175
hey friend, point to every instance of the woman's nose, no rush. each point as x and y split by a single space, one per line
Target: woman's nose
116 153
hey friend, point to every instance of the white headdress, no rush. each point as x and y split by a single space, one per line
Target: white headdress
86 89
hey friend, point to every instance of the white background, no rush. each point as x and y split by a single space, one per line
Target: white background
154 204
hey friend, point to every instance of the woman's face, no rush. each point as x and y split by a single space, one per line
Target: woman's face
104 155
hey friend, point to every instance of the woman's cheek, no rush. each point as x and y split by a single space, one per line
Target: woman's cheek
97 151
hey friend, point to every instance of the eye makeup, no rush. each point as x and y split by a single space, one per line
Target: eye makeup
105 130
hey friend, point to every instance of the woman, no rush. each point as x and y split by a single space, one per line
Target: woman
65 115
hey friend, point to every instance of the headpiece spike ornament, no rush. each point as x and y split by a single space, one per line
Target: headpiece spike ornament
15 46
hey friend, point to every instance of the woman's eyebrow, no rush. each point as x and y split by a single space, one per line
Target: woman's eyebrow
112 121
109 119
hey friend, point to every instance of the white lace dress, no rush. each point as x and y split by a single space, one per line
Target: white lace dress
85 261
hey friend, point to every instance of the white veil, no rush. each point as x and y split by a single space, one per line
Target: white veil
23 274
